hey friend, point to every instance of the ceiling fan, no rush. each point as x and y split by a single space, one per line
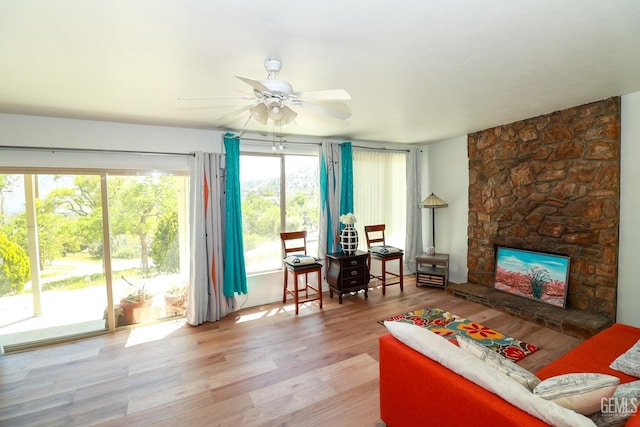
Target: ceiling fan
273 98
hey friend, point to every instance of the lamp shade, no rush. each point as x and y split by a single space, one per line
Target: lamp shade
288 115
276 112
433 201
280 114
259 113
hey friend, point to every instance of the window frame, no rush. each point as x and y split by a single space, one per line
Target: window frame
283 193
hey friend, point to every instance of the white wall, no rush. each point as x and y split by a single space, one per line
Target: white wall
446 173
628 282
35 131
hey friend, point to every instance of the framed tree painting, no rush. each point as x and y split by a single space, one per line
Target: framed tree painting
535 275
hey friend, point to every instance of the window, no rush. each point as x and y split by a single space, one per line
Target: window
379 187
269 182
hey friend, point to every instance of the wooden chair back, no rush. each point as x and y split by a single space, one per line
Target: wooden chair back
294 242
374 234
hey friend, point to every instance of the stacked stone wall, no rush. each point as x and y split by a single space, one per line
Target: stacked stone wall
551 184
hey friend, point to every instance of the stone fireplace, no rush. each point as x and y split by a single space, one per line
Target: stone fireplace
550 184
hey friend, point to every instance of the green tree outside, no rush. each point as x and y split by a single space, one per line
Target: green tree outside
165 247
14 266
69 218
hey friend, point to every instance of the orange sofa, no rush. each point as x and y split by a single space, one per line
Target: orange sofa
415 390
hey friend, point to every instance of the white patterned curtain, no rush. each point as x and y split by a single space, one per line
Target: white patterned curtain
329 199
413 242
206 300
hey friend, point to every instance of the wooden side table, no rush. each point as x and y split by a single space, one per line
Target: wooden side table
432 270
347 273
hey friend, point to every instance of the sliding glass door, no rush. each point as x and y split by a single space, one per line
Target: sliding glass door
85 252
52 266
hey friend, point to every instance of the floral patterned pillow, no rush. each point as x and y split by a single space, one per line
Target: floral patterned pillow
499 362
629 361
581 392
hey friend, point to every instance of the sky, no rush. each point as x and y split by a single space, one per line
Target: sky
521 261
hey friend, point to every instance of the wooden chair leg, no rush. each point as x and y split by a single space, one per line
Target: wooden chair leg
286 278
401 275
320 287
295 294
384 277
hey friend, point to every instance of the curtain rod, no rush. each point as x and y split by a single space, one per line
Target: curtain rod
396 150
285 141
280 140
93 150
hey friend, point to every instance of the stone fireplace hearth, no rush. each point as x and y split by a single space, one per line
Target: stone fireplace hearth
577 323
549 184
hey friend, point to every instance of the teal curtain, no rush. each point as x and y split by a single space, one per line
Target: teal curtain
235 276
346 182
336 192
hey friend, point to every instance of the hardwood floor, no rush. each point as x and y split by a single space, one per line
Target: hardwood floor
258 366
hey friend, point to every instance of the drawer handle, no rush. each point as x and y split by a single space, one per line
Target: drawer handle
353 262
354 273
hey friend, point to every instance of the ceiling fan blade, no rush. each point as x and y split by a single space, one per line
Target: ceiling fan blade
256 84
199 98
329 111
233 115
236 112
323 95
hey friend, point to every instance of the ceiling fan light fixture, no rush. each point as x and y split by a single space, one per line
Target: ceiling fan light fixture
276 111
286 116
289 115
260 113
273 99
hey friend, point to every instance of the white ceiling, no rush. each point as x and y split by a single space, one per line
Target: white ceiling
417 71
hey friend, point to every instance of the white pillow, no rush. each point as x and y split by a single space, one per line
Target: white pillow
581 392
462 363
385 250
499 362
629 361
300 260
617 410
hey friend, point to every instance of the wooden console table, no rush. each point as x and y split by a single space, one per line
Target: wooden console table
432 270
347 273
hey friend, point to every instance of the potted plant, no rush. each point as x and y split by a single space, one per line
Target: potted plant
134 304
175 299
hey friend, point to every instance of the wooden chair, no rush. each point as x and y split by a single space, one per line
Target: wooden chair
378 250
294 244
